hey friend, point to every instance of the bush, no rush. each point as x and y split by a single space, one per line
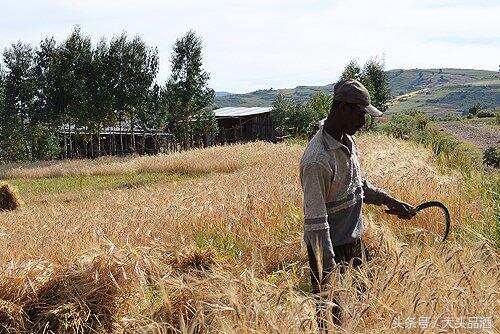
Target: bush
406 125
485 113
297 119
416 126
45 144
474 110
491 156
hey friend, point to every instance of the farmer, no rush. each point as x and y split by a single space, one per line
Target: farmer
334 191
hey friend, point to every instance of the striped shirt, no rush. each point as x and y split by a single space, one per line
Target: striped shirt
332 188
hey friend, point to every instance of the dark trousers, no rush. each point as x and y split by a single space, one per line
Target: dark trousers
343 256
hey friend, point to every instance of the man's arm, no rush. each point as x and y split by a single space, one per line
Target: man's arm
376 196
315 179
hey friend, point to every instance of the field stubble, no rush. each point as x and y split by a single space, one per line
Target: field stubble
223 253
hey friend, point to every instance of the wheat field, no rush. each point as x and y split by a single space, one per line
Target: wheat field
219 248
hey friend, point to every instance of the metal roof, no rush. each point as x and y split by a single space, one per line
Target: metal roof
240 111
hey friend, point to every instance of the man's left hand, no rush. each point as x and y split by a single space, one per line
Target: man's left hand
401 209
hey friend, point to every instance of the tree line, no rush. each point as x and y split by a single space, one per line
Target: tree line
77 87
299 118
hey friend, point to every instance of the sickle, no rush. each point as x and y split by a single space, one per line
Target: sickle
443 207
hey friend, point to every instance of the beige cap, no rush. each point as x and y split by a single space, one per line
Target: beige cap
353 91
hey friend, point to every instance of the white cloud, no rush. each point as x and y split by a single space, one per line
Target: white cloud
277 43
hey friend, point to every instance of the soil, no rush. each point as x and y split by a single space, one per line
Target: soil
475 132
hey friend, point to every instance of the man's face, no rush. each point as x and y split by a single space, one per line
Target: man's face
354 118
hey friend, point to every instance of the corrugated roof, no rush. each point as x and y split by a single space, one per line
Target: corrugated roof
240 111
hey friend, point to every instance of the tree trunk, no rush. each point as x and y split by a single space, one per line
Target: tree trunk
99 142
65 151
111 142
155 142
132 135
70 143
92 145
121 138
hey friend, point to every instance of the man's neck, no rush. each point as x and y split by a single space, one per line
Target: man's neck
336 134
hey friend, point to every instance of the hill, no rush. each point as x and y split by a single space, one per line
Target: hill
429 90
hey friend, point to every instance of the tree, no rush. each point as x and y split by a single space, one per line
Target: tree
134 68
321 104
2 108
351 71
17 114
100 91
376 81
474 110
44 74
153 116
188 94
45 116
70 83
297 119
374 77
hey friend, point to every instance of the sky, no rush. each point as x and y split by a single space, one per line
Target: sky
262 44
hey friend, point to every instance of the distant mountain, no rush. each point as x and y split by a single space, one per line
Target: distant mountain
265 98
405 81
429 90
443 90
222 94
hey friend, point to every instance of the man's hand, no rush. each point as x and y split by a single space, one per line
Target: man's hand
401 209
321 244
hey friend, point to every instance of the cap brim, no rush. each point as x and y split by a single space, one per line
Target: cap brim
371 110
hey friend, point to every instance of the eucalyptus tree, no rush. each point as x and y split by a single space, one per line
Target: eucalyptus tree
100 92
188 96
134 66
19 95
374 77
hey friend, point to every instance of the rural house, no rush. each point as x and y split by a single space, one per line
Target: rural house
111 140
244 124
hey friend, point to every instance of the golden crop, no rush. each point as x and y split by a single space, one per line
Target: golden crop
219 250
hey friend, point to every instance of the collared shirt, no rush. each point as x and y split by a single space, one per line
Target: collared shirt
332 188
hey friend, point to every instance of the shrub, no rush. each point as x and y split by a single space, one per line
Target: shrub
406 125
485 113
491 156
295 118
416 126
474 110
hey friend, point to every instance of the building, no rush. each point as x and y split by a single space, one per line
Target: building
112 140
237 124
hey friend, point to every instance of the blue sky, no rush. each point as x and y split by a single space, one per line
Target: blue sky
257 44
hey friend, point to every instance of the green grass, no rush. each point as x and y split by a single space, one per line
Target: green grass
55 185
225 244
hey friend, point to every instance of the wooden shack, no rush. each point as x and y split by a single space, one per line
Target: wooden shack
241 124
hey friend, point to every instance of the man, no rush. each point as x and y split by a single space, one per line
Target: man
334 190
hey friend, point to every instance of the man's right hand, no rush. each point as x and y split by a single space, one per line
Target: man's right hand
401 209
321 243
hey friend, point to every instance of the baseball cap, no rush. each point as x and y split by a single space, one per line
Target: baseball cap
353 91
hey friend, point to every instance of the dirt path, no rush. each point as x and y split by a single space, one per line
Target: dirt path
477 133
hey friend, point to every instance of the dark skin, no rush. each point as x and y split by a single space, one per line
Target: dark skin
347 119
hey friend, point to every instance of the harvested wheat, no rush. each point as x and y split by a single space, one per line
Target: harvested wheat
9 197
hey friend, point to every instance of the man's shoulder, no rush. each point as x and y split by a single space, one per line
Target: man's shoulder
315 154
